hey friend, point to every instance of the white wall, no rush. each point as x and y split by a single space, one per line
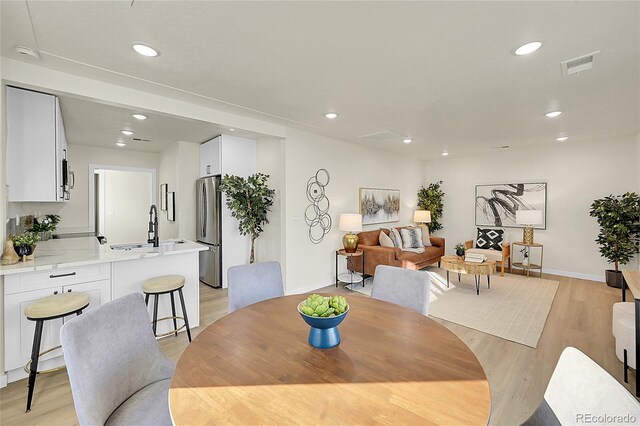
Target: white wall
75 212
576 173
351 166
270 154
179 164
127 200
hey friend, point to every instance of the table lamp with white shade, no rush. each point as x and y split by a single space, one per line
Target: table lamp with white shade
350 222
422 216
528 218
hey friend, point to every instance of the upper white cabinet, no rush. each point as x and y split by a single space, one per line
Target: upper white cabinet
36 147
228 155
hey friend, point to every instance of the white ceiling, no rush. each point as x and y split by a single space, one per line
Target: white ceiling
97 124
442 73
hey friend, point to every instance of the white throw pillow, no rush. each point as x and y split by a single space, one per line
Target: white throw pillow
426 238
385 240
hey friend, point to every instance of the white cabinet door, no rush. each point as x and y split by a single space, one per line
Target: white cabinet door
18 330
99 292
61 154
31 146
210 157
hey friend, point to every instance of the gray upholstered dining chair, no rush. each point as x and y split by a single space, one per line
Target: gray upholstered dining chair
579 388
253 283
117 372
403 287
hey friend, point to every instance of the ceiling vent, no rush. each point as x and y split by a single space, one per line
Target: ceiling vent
141 140
384 136
579 64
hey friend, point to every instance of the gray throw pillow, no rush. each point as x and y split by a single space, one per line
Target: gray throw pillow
411 238
396 238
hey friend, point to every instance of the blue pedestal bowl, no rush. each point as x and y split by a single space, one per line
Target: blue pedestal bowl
324 332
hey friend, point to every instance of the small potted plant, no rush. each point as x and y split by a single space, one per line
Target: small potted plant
619 237
45 225
460 249
25 244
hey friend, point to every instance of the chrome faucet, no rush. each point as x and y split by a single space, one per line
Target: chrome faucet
153 226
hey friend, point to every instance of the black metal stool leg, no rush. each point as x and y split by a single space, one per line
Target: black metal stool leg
184 314
626 368
155 313
173 312
146 299
35 351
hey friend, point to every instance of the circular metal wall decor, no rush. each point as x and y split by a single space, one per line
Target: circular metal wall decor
317 213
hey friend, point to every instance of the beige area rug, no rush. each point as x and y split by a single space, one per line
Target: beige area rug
515 308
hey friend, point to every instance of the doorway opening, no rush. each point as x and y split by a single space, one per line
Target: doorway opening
119 201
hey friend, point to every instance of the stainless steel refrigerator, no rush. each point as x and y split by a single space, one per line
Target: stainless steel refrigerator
209 223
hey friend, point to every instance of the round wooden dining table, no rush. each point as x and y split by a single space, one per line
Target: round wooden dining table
393 366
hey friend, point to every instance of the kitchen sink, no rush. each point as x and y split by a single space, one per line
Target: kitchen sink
132 246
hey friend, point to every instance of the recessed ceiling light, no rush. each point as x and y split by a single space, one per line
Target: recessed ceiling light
525 49
553 114
407 140
562 138
121 144
126 132
145 50
331 115
139 117
445 153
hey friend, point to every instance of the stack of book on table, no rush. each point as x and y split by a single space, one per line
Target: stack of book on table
475 257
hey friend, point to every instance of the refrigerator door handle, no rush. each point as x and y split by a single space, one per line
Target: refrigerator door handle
204 209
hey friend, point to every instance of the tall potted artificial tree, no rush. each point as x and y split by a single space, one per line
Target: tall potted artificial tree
619 237
249 200
430 198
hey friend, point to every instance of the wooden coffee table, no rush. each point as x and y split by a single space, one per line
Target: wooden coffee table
458 265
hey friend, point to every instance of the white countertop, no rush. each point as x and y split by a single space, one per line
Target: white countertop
71 252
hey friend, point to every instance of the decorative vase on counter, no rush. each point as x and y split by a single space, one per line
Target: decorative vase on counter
25 252
460 252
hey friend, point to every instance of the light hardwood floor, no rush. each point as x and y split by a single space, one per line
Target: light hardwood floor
518 375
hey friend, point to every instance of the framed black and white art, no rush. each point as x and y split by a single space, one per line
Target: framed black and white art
171 206
496 205
164 188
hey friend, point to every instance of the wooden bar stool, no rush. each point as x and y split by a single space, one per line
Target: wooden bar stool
49 308
163 285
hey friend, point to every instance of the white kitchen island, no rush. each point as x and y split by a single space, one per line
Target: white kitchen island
82 264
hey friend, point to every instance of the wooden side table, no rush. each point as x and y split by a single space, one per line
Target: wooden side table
458 265
350 257
526 249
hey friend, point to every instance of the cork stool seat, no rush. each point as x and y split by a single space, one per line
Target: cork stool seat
167 284
49 308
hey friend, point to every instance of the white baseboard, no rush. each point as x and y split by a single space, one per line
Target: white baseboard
598 278
309 288
3 381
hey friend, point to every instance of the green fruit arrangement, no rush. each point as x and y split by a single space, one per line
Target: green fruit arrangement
320 306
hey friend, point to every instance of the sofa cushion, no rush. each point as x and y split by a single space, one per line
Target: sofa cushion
396 238
385 240
426 238
489 253
489 239
411 238
429 253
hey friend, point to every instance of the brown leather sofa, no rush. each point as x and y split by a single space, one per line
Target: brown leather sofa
375 254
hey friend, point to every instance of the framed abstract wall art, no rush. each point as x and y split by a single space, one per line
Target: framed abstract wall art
496 205
379 205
